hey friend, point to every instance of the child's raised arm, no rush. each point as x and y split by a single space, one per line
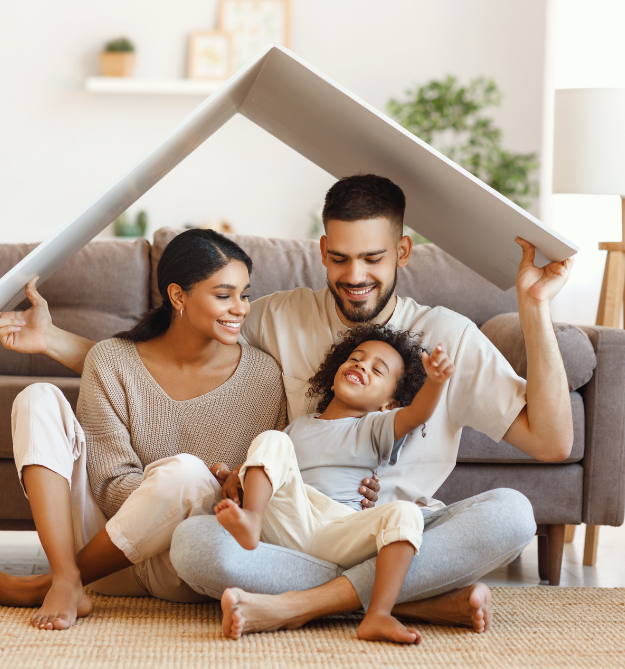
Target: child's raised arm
438 368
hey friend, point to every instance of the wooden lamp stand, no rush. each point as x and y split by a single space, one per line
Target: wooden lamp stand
609 314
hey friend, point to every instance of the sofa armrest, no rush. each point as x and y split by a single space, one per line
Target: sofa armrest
604 455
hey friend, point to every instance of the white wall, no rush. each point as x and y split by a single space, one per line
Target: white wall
60 146
586 50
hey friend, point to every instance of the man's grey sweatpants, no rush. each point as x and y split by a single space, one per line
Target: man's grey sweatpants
461 543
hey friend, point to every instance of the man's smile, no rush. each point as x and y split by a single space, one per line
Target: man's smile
356 294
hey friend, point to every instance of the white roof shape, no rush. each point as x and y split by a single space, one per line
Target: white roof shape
341 134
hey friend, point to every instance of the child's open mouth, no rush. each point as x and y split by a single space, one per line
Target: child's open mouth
354 377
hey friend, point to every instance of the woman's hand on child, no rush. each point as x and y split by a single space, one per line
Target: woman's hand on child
220 471
232 488
437 365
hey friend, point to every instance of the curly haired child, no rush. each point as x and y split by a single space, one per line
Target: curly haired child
375 385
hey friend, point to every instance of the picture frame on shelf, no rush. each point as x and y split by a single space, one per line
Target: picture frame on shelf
210 55
253 25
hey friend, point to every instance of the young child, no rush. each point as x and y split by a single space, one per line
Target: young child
376 386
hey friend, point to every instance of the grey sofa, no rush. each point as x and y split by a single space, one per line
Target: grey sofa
108 284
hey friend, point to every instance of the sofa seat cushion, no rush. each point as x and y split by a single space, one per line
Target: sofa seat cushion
555 492
11 386
101 290
432 276
477 447
577 352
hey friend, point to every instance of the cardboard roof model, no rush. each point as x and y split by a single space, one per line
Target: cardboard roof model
341 134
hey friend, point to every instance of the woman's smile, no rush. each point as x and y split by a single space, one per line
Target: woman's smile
230 325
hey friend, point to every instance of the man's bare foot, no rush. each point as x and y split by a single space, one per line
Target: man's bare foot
62 600
243 525
468 607
246 613
66 600
383 627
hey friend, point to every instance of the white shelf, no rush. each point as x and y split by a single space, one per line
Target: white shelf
130 85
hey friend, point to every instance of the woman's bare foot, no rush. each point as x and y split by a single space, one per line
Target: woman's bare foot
383 627
61 600
66 600
243 525
23 590
467 607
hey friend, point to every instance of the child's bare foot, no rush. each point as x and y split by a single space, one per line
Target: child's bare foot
383 627
66 600
243 525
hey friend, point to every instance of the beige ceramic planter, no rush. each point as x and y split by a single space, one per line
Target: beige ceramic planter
117 63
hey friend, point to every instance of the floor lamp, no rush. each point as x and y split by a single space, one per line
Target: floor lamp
589 157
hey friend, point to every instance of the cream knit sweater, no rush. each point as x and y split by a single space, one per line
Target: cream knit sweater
129 420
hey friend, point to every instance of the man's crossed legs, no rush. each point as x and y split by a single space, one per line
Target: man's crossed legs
275 588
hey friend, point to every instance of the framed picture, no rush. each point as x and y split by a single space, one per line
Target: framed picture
253 24
210 55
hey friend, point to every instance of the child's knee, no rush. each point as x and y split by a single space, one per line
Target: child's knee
405 513
271 442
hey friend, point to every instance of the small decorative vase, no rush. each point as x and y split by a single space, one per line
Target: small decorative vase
117 63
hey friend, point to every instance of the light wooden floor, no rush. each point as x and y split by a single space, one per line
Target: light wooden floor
21 554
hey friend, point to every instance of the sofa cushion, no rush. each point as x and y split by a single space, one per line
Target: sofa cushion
10 386
101 290
555 491
477 447
577 352
432 276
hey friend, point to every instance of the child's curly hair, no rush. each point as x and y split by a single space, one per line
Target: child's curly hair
404 342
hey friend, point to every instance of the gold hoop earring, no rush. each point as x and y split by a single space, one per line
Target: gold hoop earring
181 313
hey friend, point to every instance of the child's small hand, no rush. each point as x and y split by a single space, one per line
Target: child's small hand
437 366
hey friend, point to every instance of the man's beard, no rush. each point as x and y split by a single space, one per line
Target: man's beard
357 313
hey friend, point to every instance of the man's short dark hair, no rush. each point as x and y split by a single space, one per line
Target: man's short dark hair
365 196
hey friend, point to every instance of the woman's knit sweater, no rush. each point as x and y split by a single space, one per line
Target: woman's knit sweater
129 420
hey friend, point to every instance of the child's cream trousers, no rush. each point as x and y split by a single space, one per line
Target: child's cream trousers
303 519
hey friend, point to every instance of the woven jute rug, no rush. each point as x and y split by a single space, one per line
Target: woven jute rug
532 627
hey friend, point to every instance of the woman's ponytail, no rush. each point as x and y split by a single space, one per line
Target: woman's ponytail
149 325
189 258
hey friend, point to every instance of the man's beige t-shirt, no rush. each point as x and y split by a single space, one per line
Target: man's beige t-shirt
297 327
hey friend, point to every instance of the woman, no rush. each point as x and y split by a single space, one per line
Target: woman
164 411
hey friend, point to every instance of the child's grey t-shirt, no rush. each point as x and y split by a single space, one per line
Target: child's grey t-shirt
334 456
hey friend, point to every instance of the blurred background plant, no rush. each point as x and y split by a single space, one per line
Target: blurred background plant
450 117
122 44
123 228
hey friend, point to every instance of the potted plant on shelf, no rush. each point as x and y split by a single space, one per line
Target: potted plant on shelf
118 58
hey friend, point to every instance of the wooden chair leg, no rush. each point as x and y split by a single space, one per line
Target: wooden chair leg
590 545
543 558
569 534
611 298
555 536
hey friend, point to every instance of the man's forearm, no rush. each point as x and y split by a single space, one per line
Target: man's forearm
548 422
69 349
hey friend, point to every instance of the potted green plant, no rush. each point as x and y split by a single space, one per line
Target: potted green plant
123 228
118 58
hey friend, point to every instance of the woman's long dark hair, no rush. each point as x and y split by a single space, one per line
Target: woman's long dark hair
189 258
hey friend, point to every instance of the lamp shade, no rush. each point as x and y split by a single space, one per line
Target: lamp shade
589 141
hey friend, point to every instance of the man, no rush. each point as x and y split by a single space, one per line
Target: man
362 251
